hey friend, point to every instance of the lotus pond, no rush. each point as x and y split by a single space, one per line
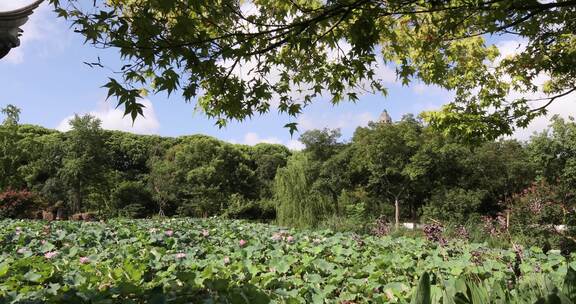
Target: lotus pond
222 261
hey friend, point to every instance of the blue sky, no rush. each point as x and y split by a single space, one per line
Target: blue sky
47 79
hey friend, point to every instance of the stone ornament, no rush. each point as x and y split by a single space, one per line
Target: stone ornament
10 23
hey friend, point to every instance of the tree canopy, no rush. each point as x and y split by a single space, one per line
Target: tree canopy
388 171
240 58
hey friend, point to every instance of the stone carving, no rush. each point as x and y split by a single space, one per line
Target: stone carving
10 23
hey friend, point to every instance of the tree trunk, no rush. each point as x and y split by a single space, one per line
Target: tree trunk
335 198
161 211
77 201
397 213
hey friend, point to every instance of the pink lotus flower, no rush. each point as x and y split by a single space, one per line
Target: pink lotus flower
169 232
43 242
84 260
180 255
272 269
50 254
226 260
205 232
290 239
242 243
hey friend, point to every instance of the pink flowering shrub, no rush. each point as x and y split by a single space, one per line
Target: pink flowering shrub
18 204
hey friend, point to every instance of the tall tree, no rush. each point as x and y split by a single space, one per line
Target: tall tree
553 152
163 184
209 172
321 144
385 151
267 158
12 114
237 56
11 153
83 165
298 203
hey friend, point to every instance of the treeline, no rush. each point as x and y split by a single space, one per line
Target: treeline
404 171
115 173
504 190
395 172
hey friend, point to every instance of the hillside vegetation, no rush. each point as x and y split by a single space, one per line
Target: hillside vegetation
506 191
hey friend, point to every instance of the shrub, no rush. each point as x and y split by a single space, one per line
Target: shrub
533 215
454 205
132 199
18 204
241 208
381 226
203 203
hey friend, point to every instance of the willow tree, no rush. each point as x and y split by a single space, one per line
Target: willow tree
240 57
298 205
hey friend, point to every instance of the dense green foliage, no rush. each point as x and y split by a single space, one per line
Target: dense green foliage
392 172
191 260
469 289
299 204
240 57
119 174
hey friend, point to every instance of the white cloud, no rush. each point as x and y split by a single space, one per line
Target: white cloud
509 48
252 138
343 121
423 89
114 119
295 145
563 107
43 34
